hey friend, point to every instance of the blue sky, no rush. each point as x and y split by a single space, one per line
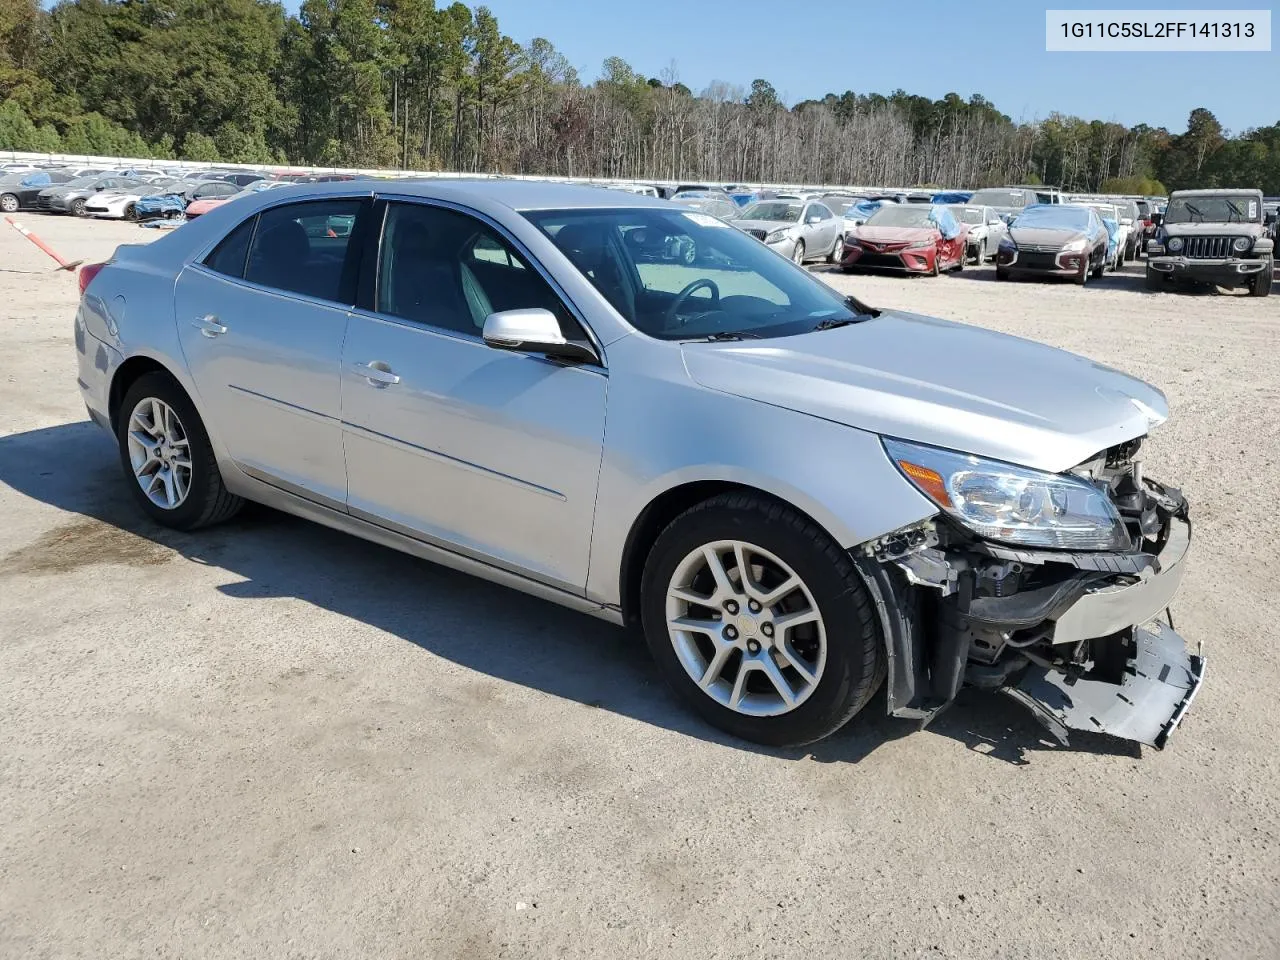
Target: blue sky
929 47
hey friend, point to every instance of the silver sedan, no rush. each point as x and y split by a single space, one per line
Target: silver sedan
798 229
794 494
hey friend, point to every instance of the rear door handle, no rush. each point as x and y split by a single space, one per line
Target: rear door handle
209 326
378 373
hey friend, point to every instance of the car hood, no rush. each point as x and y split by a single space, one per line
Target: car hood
768 226
940 383
1248 229
1046 236
895 234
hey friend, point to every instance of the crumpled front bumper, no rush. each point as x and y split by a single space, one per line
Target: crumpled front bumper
1147 705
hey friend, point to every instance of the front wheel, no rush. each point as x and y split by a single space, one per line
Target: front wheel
797 255
9 203
167 457
759 620
1101 267
1260 286
834 255
77 207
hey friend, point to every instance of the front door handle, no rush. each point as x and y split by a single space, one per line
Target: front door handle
209 326
377 373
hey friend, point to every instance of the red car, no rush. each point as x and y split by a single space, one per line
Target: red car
907 237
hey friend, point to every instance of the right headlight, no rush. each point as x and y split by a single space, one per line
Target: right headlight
777 236
1174 244
1012 504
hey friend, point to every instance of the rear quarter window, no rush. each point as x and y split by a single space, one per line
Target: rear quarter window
229 256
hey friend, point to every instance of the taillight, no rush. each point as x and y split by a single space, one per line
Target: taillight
87 273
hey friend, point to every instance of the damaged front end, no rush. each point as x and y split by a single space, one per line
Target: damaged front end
1070 634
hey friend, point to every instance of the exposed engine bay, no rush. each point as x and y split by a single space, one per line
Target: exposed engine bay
1073 636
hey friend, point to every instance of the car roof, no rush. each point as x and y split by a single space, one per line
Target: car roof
518 195
1217 192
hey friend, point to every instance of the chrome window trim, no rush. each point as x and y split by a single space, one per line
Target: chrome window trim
515 243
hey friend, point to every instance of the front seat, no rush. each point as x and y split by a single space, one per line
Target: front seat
587 247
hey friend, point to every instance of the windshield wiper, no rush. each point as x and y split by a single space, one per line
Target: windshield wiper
721 336
1195 211
1236 210
861 308
832 322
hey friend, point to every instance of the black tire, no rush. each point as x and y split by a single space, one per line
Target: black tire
130 212
855 665
208 501
1260 286
9 203
1155 281
834 255
1101 268
797 255
77 208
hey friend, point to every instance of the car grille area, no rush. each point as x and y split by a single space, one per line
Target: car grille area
758 234
1207 248
1031 260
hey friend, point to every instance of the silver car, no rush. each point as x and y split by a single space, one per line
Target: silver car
794 494
798 229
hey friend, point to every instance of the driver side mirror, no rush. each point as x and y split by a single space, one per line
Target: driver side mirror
533 330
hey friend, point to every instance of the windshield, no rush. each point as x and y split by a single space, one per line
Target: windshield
969 214
1000 198
1105 210
781 211
1213 210
904 215
1054 217
678 275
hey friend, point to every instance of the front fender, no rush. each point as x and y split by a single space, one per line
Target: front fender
663 430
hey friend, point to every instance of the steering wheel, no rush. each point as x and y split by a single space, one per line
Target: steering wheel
674 310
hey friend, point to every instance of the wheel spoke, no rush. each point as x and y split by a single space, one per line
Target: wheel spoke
740 684
710 627
724 586
788 620
770 670
170 494
797 662
157 419
716 666
688 596
768 599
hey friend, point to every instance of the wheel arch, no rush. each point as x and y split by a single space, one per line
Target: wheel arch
658 515
127 374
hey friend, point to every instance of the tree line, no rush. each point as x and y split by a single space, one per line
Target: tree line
406 84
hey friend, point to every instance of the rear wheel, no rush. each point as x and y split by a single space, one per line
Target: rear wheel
834 255
166 455
1101 267
758 619
130 212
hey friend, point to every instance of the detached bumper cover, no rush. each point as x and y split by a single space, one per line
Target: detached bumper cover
1146 706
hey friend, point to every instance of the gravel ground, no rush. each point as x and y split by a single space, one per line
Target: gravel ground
271 740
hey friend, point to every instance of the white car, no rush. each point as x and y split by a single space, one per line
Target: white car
118 204
986 229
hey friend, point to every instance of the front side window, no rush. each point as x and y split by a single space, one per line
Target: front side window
449 270
303 248
678 275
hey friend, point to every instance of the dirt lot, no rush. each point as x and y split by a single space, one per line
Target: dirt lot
271 740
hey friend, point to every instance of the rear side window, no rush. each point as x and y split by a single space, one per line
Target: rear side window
228 257
304 248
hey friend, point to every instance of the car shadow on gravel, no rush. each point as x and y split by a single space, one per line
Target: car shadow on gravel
520 639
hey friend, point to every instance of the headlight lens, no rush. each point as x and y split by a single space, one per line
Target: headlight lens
1174 244
921 245
776 236
1242 244
1016 505
1075 246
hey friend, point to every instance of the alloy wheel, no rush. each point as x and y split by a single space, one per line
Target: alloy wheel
746 628
160 453
9 203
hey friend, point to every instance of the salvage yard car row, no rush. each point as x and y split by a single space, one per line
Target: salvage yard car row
1028 231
